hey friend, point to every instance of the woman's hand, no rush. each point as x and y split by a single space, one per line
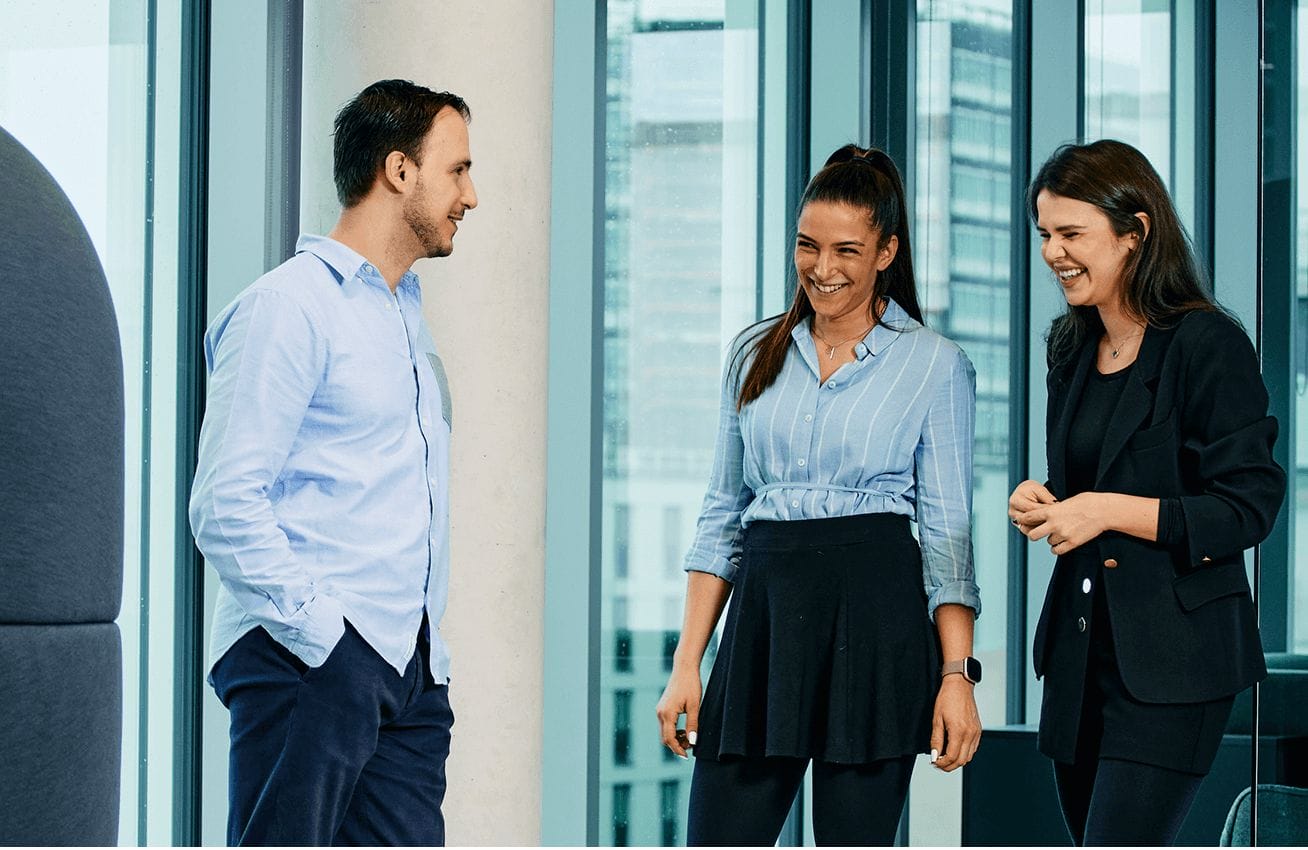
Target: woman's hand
1067 524
681 696
956 726
1027 496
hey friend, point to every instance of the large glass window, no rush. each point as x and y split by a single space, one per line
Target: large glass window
962 174
679 281
963 231
1298 352
1139 84
75 90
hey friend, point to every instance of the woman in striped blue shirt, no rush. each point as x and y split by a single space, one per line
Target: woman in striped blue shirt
841 420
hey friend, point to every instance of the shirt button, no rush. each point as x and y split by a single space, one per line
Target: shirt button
1080 623
831 384
808 417
1110 563
1085 586
366 268
795 504
800 461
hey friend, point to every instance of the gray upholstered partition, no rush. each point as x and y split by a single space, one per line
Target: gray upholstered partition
61 519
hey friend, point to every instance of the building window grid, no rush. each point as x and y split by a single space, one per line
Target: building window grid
621 814
669 806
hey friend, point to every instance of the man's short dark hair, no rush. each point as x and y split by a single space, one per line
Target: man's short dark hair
389 115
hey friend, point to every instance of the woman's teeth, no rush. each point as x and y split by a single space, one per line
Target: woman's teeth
828 289
1067 274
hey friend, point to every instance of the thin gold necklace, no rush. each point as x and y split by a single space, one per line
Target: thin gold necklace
831 349
1114 349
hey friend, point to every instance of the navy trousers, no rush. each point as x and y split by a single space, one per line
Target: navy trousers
348 753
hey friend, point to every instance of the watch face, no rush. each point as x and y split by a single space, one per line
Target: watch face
972 670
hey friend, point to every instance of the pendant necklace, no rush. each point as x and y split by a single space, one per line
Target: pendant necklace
1115 349
831 349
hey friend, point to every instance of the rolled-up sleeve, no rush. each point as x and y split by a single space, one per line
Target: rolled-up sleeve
943 463
717 545
265 363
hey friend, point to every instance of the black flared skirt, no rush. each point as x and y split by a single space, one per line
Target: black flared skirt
827 652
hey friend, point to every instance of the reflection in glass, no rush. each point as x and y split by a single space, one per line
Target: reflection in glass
75 91
1299 351
962 174
963 231
679 281
1128 77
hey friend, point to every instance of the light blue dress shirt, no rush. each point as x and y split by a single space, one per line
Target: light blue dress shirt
322 488
890 432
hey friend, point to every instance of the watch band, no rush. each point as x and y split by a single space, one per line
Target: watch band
969 667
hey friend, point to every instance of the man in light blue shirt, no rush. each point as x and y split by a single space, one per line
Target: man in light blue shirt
321 498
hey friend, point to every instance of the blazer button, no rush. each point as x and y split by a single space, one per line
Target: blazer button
1080 624
1110 563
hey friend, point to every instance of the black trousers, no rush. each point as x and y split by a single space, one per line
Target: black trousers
744 801
349 753
1110 802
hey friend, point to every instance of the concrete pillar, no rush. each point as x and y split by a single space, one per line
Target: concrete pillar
487 308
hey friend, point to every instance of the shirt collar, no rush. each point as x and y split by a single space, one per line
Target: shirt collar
345 261
894 320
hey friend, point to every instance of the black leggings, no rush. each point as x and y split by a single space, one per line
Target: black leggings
744 801
1109 802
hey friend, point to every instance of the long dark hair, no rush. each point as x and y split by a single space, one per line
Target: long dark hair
865 178
1161 280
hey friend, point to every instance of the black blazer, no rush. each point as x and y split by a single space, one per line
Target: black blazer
1192 424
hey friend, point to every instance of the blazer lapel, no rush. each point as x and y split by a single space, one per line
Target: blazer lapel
1136 401
1069 381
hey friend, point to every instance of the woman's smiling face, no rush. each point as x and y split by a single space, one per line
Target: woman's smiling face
1078 242
837 258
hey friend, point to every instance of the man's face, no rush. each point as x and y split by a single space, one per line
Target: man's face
443 191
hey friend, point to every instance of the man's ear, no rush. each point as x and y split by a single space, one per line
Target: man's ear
397 172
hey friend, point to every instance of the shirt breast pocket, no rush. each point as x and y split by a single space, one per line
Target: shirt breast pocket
443 384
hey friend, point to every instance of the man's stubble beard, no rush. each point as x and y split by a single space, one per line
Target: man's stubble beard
425 229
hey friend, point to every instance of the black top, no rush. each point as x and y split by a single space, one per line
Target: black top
1086 436
1085 439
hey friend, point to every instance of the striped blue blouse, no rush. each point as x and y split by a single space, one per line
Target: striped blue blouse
890 432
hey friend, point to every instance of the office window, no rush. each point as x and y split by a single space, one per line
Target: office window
669 809
1139 86
1297 349
679 259
622 650
674 542
962 233
621 813
76 91
1128 75
621 540
622 727
670 639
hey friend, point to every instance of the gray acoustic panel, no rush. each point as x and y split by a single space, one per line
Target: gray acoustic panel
61 408
60 734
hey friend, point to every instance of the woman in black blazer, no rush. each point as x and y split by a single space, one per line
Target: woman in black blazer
1160 476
